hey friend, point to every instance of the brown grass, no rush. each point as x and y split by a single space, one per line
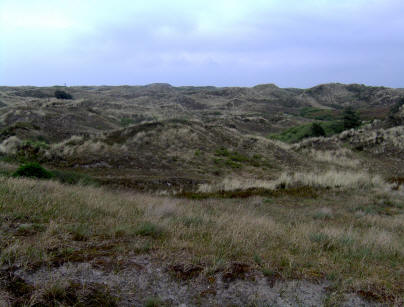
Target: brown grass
354 241
319 179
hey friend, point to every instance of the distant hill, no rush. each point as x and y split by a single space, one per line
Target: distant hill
261 109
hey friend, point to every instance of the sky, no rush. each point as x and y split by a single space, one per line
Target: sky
292 43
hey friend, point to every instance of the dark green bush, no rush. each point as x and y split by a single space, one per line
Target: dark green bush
393 117
222 152
32 170
62 95
317 130
351 119
396 107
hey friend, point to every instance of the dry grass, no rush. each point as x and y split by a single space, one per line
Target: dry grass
77 147
327 179
342 157
354 241
10 145
377 141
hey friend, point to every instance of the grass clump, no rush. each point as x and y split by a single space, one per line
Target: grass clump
190 221
149 229
381 207
126 122
74 294
153 302
234 159
231 155
32 170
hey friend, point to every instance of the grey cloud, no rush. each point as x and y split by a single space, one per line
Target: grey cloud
298 48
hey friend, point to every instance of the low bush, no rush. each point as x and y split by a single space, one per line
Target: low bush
317 130
351 119
148 229
62 95
125 122
32 170
394 117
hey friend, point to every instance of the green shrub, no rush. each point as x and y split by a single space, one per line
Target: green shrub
233 158
394 110
396 107
32 170
232 164
237 157
351 119
222 152
37 144
148 229
125 122
317 130
62 95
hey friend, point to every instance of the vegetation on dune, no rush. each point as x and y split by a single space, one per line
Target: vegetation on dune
298 133
125 121
70 177
394 118
17 127
332 123
63 95
317 130
35 170
321 179
396 107
32 170
357 238
351 119
39 143
320 114
234 159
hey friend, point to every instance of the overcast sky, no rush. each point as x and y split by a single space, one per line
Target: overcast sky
292 43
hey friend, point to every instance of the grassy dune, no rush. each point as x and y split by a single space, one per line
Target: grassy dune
351 236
